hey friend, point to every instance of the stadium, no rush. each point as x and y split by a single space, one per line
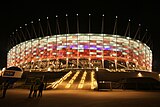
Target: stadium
114 52
82 58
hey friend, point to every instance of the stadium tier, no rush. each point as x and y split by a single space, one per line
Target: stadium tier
82 51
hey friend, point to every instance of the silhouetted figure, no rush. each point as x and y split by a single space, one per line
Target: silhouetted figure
40 89
5 87
31 90
35 89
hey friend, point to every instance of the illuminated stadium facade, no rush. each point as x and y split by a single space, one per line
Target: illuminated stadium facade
81 51
81 59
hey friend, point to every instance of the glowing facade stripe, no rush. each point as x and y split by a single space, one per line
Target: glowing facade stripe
82 80
93 80
72 79
55 84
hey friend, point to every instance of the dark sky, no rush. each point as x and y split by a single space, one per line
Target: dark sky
12 16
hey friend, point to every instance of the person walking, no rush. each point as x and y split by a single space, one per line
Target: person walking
35 89
40 89
31 90
5 87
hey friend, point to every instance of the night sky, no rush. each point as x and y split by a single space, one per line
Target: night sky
12 16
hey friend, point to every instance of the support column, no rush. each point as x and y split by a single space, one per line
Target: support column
103 63
89 60
77 62
67 62
127 64
115 61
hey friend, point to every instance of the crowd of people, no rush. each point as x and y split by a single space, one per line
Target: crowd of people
36 89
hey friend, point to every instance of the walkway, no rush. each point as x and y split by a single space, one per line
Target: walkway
82 98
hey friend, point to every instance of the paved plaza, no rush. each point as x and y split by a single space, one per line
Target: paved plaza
82 98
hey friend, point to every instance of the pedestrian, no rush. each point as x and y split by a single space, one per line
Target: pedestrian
31 90
35 89
40 89
5 87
